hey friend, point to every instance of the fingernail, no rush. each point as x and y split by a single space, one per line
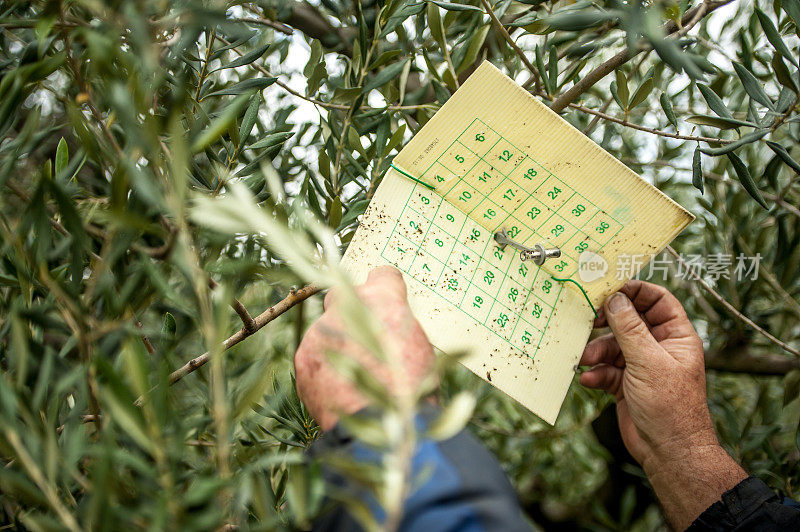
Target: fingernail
617 303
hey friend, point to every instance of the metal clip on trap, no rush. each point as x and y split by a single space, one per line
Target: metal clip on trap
538 254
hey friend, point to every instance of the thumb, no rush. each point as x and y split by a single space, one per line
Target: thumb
634 338
387 277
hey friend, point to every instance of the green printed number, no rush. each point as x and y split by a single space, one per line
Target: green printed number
488 278
489 214
583 246
602 227
523 270
513 231
425 199
506 156
485 177
452 284
479 137
512 294
475 235
547 286
502 320
557 230
526 337
509 195
477 302
553 194
560 266
534 212
537 310
465 196
578 210
459 158
530 174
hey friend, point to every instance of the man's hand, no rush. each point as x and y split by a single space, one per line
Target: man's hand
653 365
325 392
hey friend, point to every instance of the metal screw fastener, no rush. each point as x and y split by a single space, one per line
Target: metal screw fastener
538 254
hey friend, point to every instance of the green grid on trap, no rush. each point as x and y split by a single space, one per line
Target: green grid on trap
437 241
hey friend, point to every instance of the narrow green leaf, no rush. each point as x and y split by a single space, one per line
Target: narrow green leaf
474 48
752 85
271 140
642 92
249 119
746 179
714 101
335 212
247 58
782 73
792 9
435 25
666 105
453 417
747 139
552 69
386 75
623 93
541 68
220 124
456 7
244 86
62 156
169 326
774 37
781 152
579 19
314 58
719 122
697 171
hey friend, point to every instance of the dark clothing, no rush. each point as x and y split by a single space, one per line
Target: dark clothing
750 505
458 485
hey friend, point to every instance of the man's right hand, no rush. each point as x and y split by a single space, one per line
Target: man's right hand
652 362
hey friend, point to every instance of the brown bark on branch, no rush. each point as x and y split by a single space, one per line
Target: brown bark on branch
689 19
738 362
261 320
239 308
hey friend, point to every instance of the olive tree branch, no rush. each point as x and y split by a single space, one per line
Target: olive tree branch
733 310
688 21
537 82
239 308
261 320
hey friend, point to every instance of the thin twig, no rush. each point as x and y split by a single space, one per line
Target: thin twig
660 133
326 105
692 17
260 321
537 83
240 309
283 28
716 295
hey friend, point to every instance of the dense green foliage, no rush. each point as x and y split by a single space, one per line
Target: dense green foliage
121 121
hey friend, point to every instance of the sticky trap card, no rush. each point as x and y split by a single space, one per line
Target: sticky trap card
494 157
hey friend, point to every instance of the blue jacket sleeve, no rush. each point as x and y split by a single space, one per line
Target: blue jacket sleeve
462 488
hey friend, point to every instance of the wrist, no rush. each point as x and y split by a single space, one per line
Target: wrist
681 449
687 482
